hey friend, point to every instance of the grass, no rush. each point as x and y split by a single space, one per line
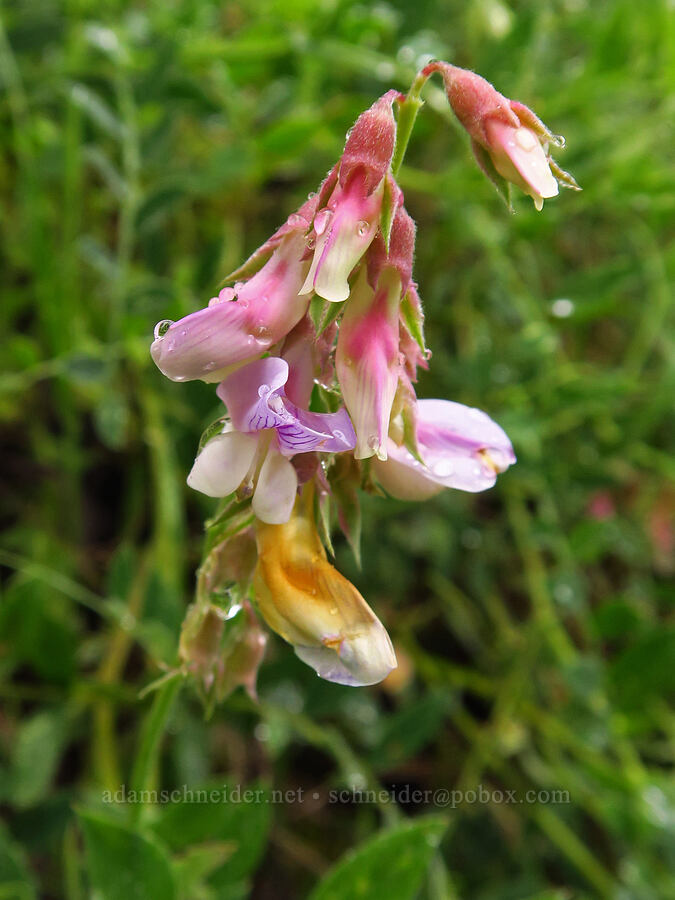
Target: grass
146 150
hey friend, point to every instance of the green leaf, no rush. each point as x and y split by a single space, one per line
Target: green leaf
485 162
387 214
124 864
15 879
237 814
323 313
391 865
37 753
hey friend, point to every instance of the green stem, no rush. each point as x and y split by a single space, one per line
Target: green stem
406 119
145 764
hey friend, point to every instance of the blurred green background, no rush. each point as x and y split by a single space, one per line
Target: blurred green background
147 148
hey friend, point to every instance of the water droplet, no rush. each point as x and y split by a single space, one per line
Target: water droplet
294 220
334 611
443 468
311 195
362 228
557 140
311 242
562 308
374 442
321 220
162 327
339 436
263 389
261 333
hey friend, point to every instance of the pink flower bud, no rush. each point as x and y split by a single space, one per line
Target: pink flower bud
241 323
401 250
367 359
343 232
508 140
370 143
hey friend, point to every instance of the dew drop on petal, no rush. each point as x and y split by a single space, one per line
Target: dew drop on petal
263 389
162 327
362 228
443 468
321 220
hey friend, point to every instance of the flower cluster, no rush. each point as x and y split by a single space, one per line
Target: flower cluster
316 347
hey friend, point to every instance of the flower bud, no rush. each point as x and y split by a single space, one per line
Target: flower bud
241 323
367 359
508 140
370 143
311 605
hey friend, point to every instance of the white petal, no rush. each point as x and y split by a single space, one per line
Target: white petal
223 463
363 659
276 490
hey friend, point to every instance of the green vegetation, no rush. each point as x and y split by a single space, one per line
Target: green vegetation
146 149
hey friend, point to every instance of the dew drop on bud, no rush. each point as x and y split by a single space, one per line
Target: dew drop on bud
321 220
162 327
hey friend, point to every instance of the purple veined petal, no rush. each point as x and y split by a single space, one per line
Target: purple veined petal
326 432
252 395
222 464
444 424
276 490
462 448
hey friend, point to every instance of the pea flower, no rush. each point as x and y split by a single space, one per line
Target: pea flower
243 321
311 605
344 228
461 448
508 140
368 352
264 430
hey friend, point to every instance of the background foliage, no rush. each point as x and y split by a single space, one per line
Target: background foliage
146 149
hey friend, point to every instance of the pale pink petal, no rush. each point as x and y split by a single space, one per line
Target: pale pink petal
345 236
367 360
229 332
462 448
222 464
276 490
519 157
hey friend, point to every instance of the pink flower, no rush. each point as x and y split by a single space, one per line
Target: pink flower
265 429
508 140
345 227
461 447
366 359
242 322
